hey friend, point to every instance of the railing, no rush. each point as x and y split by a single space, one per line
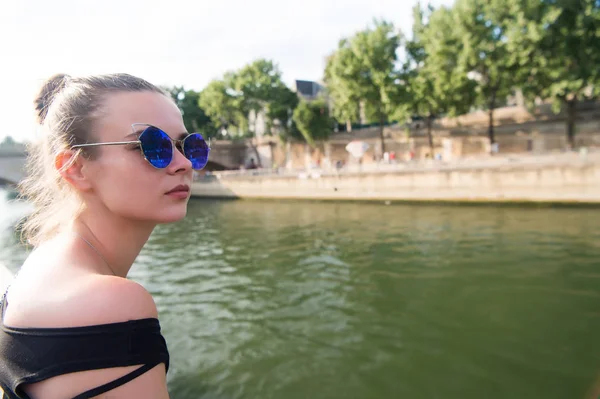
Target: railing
500 160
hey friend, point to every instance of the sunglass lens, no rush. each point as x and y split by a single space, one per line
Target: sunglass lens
196 150
157 147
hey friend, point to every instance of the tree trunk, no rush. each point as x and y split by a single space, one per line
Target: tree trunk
571 115
255 140
255 149
381 136
258 160
288 153
348 126
429 135
492 106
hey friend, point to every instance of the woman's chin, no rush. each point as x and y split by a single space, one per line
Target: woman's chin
172 217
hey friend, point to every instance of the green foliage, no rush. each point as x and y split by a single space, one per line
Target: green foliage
567 49
280 113
256 82
437 84
313 120
257 87
340 88
194 117
482 27
223 106
563 38
363 69
375 51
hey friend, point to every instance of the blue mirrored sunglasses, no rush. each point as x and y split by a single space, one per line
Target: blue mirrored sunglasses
158 148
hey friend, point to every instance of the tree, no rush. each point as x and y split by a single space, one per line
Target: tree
280 111
346 103
260 87
364 69
223 106
485 55
255 88
313 120
436 83
194 117
262 91
563 39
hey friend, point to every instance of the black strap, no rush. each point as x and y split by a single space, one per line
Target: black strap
116 383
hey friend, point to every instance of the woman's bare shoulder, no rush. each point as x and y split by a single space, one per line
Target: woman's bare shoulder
114 299
82 301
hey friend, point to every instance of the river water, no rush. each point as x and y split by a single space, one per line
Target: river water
352 300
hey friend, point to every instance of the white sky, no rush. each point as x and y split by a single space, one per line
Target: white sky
170 42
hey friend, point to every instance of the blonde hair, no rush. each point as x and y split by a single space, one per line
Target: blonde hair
67 110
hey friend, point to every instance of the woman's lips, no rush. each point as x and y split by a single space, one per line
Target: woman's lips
180 191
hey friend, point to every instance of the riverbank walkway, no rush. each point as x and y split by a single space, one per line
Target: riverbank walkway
479 162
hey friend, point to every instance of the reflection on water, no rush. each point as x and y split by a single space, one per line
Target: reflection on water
340 300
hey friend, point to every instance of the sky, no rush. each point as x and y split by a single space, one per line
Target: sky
173 42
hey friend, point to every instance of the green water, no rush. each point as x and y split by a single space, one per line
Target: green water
341 300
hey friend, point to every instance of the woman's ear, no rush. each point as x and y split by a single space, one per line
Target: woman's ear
69 164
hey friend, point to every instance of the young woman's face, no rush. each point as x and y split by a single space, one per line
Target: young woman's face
123 181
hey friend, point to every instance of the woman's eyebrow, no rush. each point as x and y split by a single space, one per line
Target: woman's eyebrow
135 134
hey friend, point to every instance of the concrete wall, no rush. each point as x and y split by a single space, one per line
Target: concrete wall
526 139
517 130
586 111
576 181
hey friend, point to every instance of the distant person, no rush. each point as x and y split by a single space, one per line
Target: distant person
252 164
109 167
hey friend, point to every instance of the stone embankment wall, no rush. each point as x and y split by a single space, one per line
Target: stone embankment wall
518 130
570 178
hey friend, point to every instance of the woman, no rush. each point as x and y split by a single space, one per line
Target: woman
114 161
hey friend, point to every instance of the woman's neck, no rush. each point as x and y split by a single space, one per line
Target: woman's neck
118 241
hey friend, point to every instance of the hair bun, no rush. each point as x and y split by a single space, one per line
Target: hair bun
51 87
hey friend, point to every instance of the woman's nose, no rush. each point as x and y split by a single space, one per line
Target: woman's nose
179 162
